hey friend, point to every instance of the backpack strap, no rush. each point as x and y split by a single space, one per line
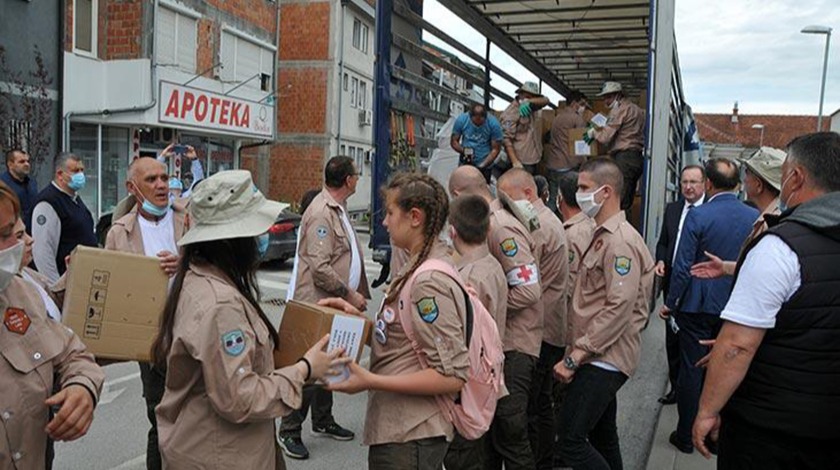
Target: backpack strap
405 299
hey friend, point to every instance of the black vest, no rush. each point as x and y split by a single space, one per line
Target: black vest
76 223
793 383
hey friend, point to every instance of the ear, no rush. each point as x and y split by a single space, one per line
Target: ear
453 234
417 217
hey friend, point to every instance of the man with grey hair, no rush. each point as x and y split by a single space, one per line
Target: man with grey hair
60 219
771 392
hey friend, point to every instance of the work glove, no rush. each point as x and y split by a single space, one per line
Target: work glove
525 109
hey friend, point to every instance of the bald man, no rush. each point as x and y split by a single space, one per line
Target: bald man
610 307
152 228
553 256
515 249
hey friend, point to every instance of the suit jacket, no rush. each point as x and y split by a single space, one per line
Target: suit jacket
719 227
668 239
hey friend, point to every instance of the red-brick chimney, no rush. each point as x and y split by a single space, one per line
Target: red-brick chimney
735 113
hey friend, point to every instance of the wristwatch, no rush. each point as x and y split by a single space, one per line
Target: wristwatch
570 363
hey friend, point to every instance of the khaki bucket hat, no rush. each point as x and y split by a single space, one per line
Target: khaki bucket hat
767 164
228 205
530 88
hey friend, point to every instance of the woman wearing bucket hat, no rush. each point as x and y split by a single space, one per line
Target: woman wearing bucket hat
222 391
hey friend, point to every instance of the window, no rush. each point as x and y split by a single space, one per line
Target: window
362 96
354 91
360 35
346 79
343 150
176 36
84 19
243 59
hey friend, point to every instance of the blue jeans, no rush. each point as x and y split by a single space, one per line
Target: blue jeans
693 328
589 437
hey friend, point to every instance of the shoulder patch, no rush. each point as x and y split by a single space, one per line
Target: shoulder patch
622 265
321 231
428 309
233 342
16 320
42 219
509 247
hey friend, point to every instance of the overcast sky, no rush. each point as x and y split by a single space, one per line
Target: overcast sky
745 50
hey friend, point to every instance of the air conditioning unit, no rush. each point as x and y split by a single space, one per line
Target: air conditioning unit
164 135
365 117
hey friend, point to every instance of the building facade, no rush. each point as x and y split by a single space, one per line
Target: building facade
139 75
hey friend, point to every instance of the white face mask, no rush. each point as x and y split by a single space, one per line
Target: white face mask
587 203
614 104
523 210
10 259
580 110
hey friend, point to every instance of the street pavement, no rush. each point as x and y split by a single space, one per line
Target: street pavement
117 438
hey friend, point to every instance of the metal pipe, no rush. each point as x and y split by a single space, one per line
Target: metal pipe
340 79
822 85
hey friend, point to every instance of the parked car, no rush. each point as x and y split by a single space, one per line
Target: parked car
282 237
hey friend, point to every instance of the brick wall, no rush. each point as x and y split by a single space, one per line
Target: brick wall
68 26
302 109
208 41
305 31
120 29
295 169
260 13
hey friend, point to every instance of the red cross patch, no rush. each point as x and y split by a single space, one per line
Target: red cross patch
16 320
523 275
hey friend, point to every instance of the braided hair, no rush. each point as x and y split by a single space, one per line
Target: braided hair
416 190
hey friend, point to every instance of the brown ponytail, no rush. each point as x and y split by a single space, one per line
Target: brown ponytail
415 190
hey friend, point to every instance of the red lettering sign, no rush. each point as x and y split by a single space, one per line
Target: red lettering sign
201 108
189 101
172 107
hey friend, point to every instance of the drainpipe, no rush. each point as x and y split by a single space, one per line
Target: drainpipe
340 76
107 112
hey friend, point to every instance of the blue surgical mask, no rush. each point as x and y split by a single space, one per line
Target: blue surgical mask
77 182
262 244
150 208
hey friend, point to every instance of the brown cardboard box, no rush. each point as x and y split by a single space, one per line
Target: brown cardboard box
576 135
114 301
304 324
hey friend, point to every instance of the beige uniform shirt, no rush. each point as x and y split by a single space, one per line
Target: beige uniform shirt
125 234
34 350
222 391
440 332
612 295
578 235
514 248
484 273
625 129
522 133
559 157
324 252
553 251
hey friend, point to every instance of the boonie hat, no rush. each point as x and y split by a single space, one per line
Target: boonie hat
228 205
609 88
530 87
766 162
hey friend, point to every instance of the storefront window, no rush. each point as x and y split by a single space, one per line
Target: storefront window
221 158
114 166
83 139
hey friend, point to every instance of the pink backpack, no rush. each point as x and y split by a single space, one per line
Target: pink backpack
473 411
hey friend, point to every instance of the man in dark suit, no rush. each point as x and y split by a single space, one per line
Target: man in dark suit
692 187
719 226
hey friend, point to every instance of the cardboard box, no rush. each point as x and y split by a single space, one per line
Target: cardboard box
578 147
304 324
114 301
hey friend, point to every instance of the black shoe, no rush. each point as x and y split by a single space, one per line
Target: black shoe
684 448
669 398
334 431
293 447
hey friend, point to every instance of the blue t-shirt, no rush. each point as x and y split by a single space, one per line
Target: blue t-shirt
478 138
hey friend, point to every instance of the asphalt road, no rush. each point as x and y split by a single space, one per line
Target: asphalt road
117 438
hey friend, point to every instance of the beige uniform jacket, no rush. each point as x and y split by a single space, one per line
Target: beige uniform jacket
55 290
522 133
612 294
222 391
125 234
438 312
558 151
625 129
325 253
484 273
35 349
553 250
514 248
579 230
